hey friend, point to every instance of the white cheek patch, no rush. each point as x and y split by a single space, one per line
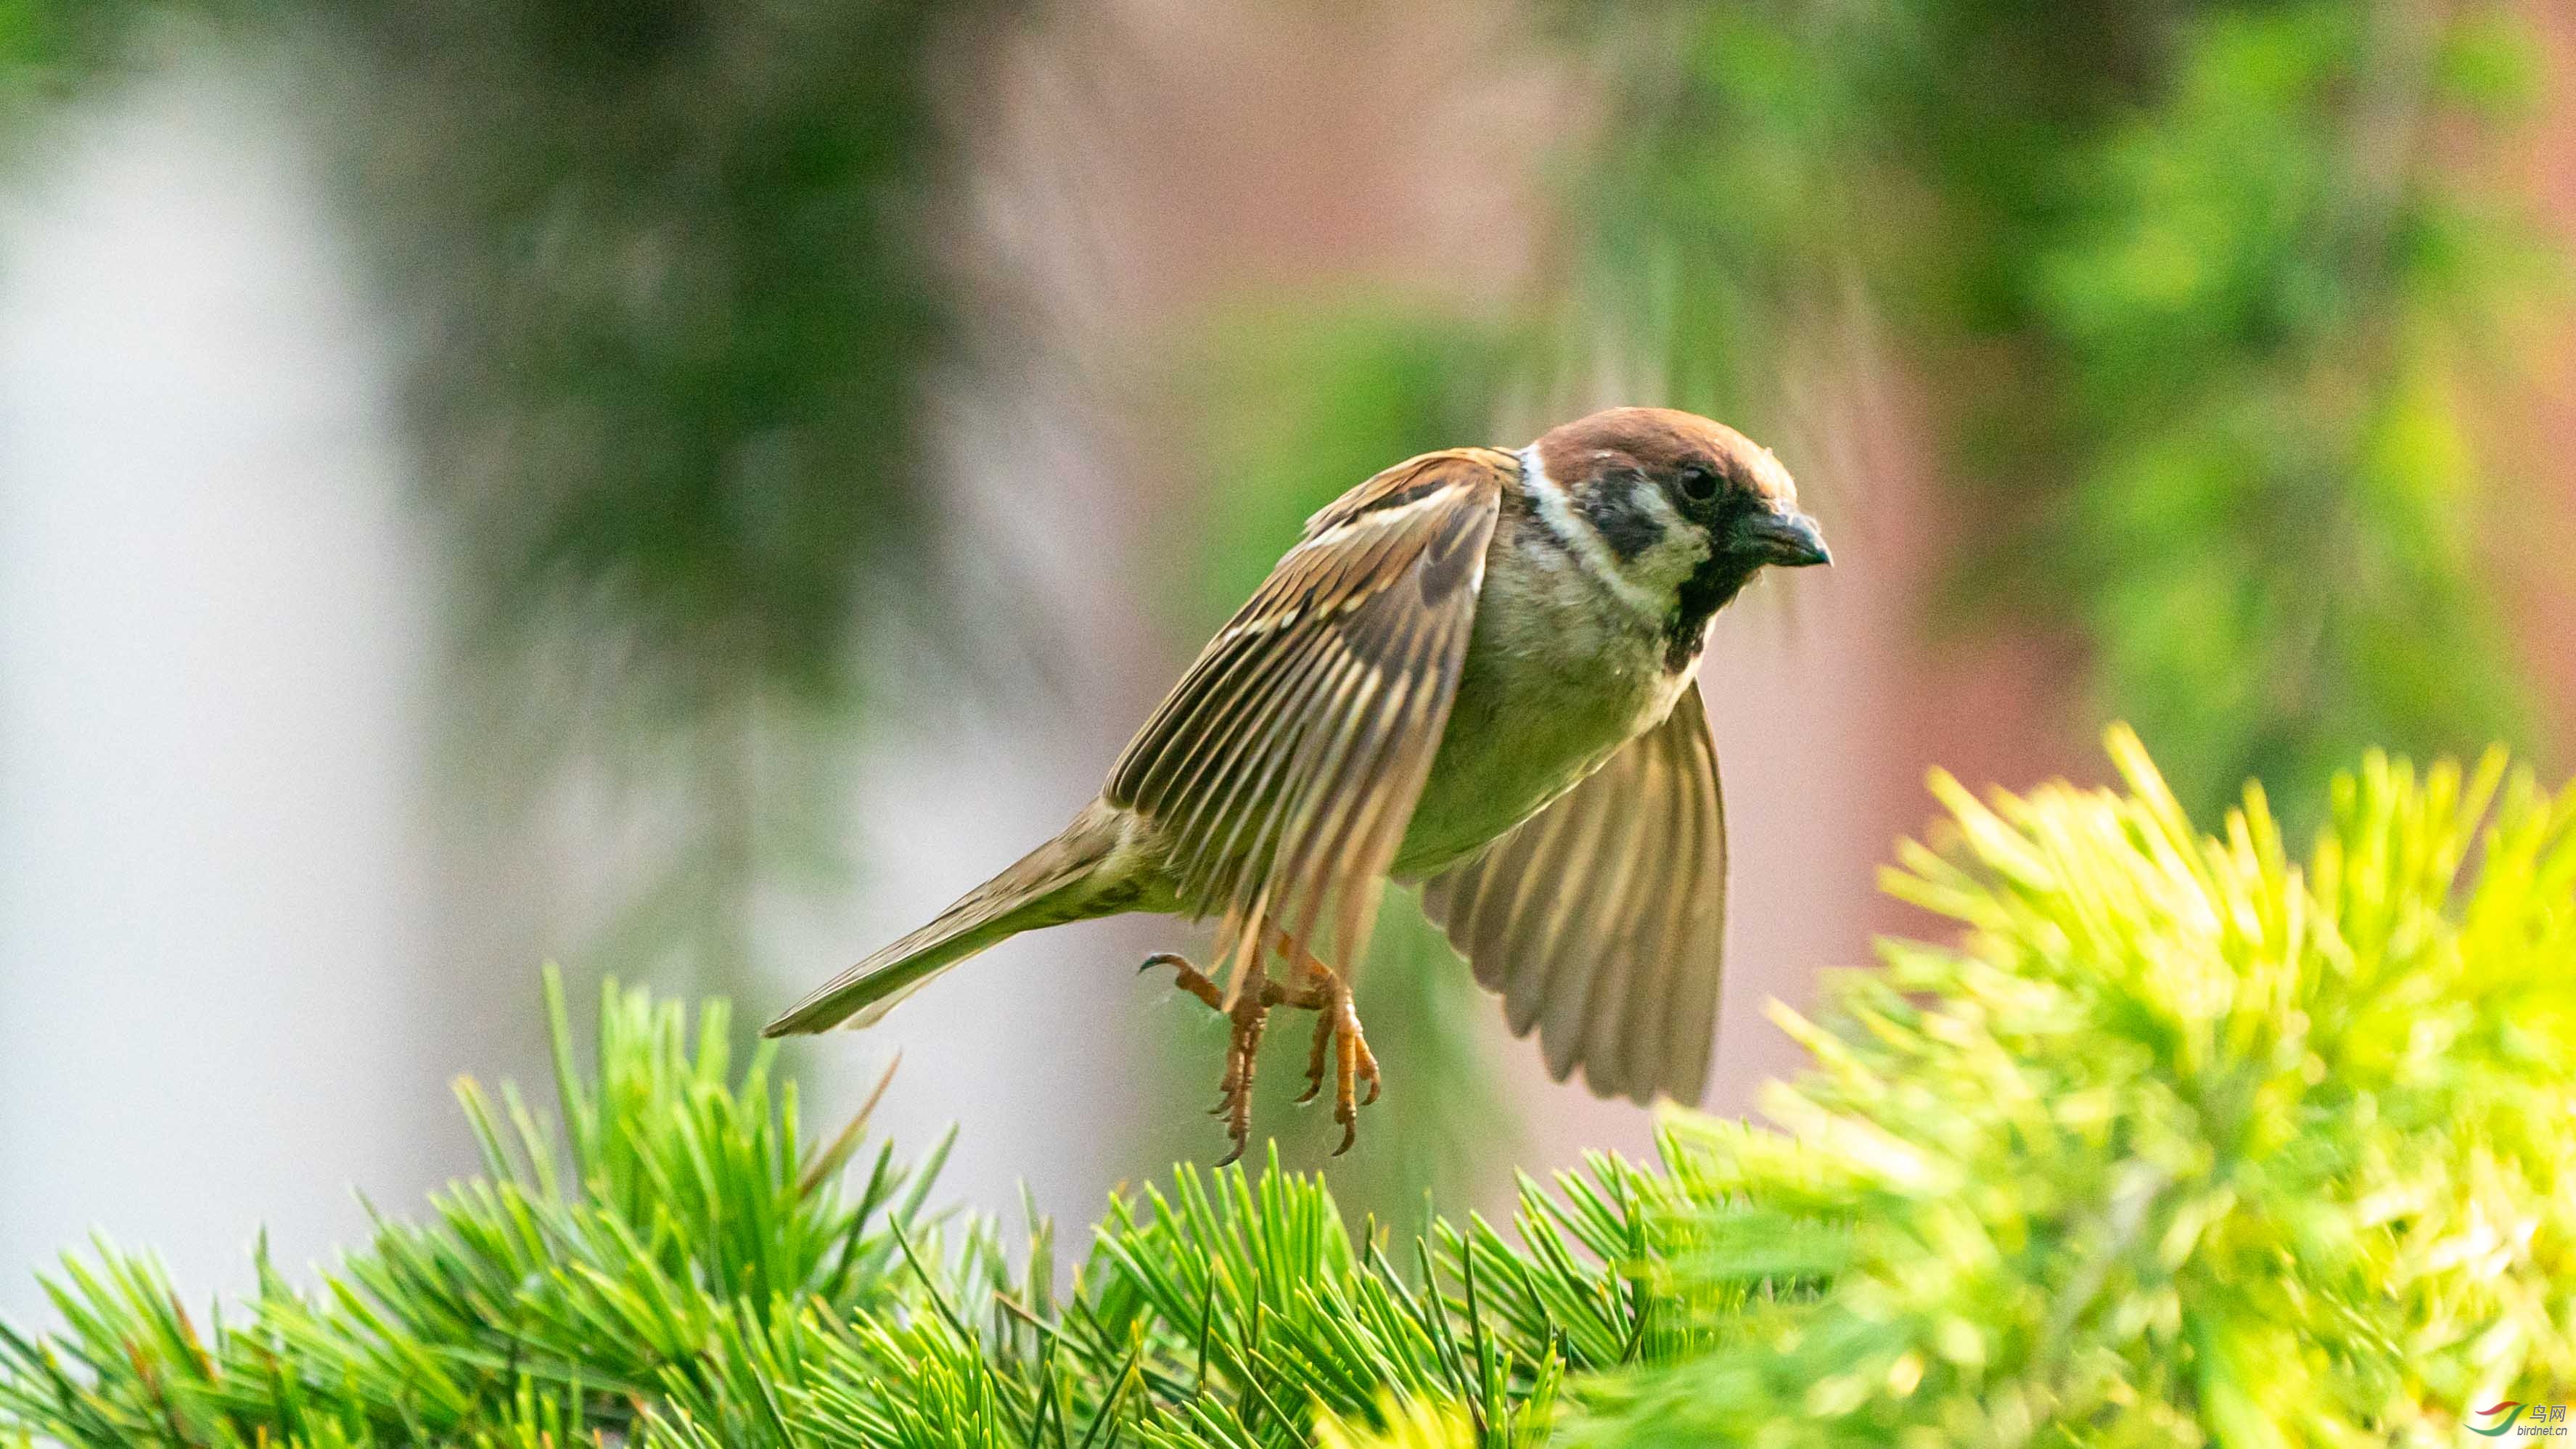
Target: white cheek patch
1678 549
1548 496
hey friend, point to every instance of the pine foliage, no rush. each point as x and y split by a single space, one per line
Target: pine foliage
2182 1141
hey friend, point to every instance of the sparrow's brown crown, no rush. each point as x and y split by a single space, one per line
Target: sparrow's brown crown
1661 443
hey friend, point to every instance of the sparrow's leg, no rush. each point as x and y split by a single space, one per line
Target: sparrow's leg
1234 1093
1249 1014
1337 1025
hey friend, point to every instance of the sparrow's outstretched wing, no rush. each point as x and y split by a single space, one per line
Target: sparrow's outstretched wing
1284 767
1602 919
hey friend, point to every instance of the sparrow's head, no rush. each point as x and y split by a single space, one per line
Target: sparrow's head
1684 511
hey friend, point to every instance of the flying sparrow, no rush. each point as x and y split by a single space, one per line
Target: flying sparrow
1476 670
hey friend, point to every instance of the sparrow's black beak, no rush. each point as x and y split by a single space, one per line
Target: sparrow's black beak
1787 539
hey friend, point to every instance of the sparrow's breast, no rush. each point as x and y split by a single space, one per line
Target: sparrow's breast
1557 677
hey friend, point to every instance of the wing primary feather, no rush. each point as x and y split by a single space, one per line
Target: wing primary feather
1224 704
1503 925
1304 878
1286 607
1275 674
1288 717
1676 1003
1375 829
1569 981
1217 812
1623 992
1637 1036
1660 942
1336 859
1602 918
1242 797
1255 877
1181 726
1470 898
1326 866
1522 974
1372 833
1139 770
1616 905
1690 1033
1320 861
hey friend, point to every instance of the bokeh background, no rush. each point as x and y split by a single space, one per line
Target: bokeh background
684 488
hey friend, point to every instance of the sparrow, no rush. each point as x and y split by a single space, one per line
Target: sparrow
1477 670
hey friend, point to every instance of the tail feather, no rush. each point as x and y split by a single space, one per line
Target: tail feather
1026 896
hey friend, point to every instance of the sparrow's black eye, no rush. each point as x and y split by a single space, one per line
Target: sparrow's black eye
1698 484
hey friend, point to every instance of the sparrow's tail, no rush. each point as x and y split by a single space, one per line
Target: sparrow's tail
1050 885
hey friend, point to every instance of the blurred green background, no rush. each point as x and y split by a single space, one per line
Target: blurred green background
811 434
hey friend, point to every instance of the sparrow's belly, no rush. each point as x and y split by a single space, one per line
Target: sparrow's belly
1548 692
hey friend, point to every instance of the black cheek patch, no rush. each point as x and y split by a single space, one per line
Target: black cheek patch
1627 528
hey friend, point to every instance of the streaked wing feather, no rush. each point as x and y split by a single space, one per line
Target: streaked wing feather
1567 921
1681 1053
1602 919
1623 887
1283 768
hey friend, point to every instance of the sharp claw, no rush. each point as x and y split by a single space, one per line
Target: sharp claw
1313 1089
1371 1098
1350 1134
1234 1093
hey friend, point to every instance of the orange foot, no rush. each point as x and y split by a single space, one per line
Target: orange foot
1338 1038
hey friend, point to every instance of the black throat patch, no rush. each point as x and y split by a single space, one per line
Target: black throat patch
1710 587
